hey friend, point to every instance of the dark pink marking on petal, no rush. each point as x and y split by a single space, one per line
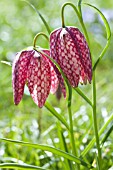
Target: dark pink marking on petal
70 49
84 53
39 78
19 74
54 76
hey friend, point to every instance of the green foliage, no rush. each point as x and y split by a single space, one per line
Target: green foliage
26 122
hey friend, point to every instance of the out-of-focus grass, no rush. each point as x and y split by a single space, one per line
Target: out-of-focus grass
18 25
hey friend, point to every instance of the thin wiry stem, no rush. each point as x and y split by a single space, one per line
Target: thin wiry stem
37 35
95 122
74 150
79 17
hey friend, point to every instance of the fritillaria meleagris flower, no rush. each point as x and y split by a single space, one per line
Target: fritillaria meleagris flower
38 72
70 50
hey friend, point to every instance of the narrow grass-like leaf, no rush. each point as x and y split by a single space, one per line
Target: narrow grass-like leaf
56 114
63 146
107 135
90 145
108 32
83 96
50 149
19 166
39 14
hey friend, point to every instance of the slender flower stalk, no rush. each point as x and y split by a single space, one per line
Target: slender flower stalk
36 36
70 120
95 121
79 15
71 131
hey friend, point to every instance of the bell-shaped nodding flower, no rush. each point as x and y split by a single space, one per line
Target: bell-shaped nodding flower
70 50
38 72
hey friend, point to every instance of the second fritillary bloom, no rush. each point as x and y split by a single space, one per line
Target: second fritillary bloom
70 50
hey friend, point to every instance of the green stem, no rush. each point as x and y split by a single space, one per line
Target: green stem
79 15
36 36
71 123
95 121
79 7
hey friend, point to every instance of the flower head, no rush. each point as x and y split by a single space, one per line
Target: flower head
70 50
38 72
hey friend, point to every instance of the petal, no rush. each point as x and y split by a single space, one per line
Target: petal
54 76
19 74
69 48
61 81
84 53
67 56
53 40
54 54
39 78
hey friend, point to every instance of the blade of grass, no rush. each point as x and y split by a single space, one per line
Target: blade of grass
92 142
39 14
108 32
107 135
50 149
56 114
79 91
63 146
19 166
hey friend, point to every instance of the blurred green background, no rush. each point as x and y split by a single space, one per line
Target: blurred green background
19 23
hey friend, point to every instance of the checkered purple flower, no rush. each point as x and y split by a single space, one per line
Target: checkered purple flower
38 72
70 50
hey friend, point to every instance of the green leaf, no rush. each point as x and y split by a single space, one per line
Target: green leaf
50 149
56 114
23 166
90 145
83 96
107 135
63 146
108 32
39 14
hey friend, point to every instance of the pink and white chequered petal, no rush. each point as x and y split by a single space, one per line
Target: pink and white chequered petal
53 40
61 81
39 78
67 56
54 78
57 77
84 53
19 74
70 49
